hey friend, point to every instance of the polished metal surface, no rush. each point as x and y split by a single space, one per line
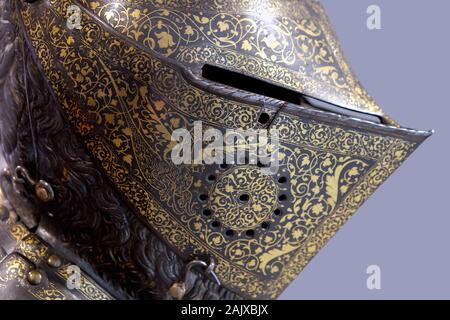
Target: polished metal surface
109 93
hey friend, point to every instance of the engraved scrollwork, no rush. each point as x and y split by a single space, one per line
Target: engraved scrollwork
125 110
243 198
293 46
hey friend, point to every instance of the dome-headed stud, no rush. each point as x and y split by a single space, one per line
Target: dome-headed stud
54 261
34 277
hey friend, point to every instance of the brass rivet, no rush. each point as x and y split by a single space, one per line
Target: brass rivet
178 290
54 261
44 191
34 277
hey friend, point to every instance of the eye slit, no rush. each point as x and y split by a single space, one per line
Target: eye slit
272 91
250 84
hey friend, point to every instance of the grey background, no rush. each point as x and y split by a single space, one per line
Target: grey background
404 227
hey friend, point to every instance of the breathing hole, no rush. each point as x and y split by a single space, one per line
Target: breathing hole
250 233
282 180
207 212
215 224
282 197
277 212
229 233
264 118
244 197
203 197
265 225
212 178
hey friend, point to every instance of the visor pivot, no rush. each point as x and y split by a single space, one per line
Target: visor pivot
42 189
